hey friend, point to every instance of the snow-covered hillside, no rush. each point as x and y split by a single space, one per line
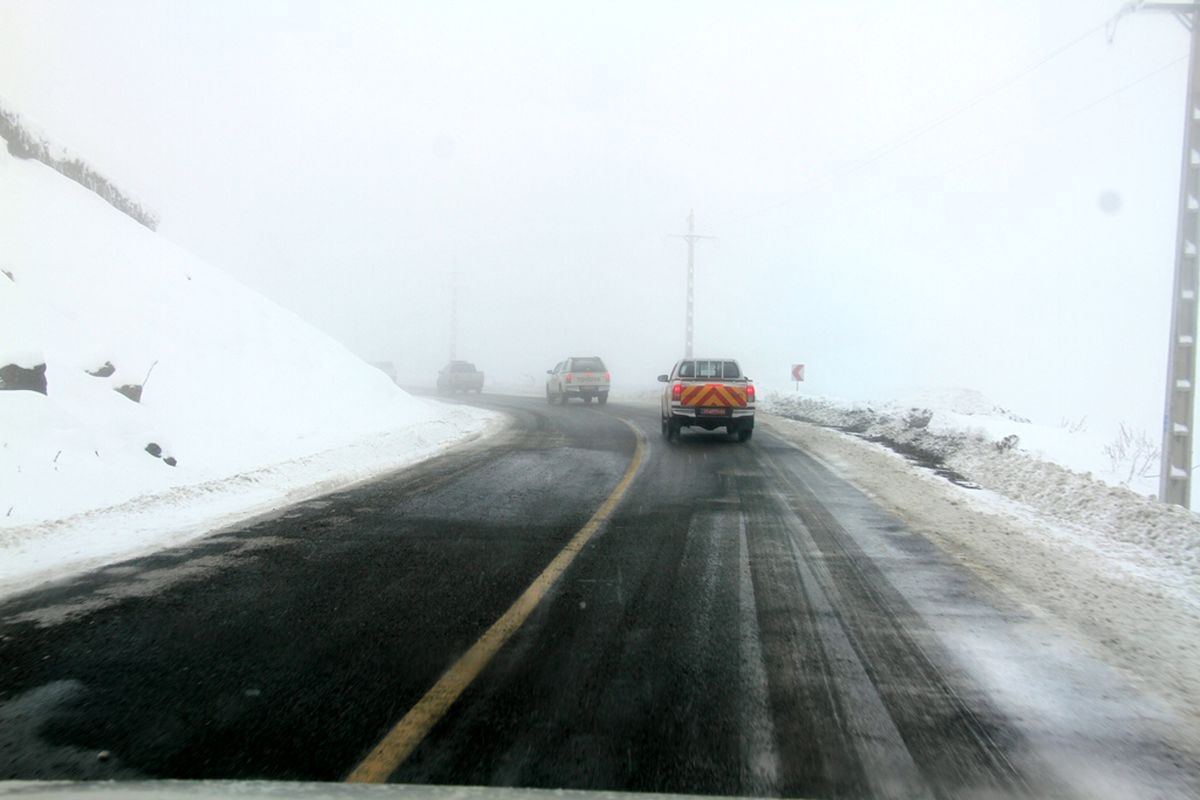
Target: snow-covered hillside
175 398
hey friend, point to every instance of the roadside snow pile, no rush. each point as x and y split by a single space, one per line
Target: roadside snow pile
145 396
1098 492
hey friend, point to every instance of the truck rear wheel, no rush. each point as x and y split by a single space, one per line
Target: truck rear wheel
602 397
744 434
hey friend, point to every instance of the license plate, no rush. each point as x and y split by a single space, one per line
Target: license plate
712 412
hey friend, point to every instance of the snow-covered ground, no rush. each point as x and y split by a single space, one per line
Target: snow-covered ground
242 406
1044 517
1067 474
1118 457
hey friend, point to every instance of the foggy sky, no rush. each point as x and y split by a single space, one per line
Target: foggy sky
344 158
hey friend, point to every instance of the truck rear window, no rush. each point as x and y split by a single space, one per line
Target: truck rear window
710 370
587 365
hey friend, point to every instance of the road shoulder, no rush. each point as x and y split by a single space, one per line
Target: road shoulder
1120 616
49 551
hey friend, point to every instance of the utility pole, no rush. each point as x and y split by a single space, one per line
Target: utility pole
691 238
1175 475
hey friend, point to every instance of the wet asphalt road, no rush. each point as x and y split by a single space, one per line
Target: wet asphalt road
746 623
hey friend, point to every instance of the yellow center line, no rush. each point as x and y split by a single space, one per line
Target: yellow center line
402 739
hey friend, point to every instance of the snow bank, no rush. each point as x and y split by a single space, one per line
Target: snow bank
170 389
1068 479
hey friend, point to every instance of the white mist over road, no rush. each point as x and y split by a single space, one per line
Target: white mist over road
905 194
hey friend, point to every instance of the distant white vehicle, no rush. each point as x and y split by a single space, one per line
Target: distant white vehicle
459 376
584 377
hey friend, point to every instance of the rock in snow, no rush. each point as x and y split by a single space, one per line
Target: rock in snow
14 377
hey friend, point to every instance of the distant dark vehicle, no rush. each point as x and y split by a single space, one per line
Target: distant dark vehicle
584 377
459 376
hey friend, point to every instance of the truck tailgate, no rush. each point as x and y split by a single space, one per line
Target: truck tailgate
713 395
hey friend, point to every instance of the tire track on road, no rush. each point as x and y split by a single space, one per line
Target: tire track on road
947 727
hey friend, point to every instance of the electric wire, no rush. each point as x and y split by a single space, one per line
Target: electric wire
924 129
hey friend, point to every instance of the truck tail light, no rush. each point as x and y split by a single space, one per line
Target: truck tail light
750 392
677 392
608 377
569 377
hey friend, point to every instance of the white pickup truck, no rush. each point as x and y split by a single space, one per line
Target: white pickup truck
708 393
585 377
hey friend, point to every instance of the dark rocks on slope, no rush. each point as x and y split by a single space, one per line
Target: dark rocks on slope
131 390
14 377
103 371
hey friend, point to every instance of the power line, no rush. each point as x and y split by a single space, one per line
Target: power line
1052 123
921 130
1027 135
979 98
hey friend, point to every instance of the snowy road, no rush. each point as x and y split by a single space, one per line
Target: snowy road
745 622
